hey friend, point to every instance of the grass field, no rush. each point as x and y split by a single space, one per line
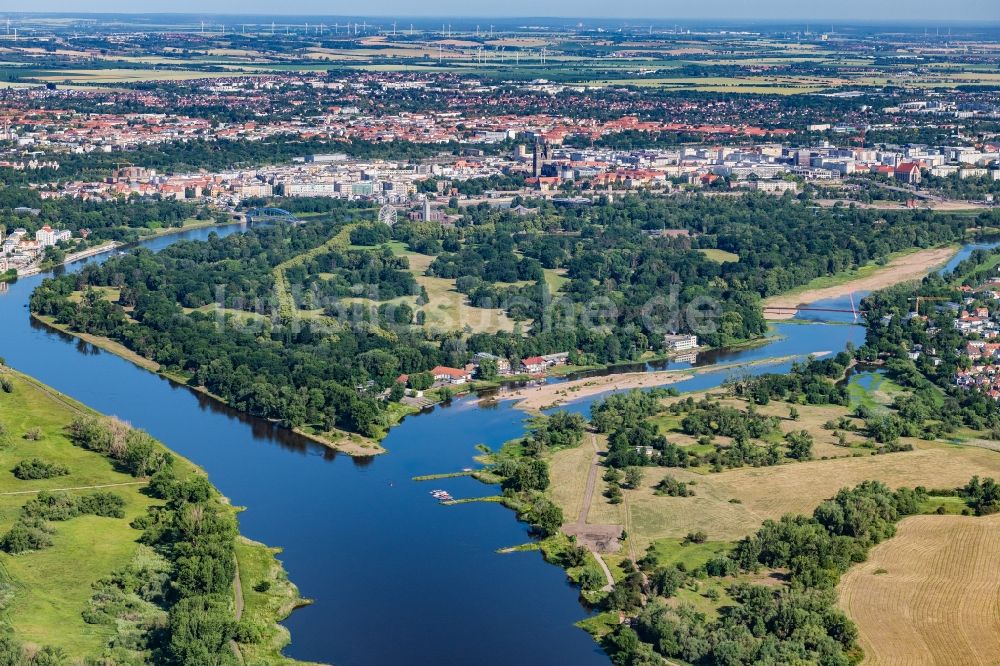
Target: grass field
555 278
930 595
268 594
720 256
770 492
447 309
732 504
43 593
872 389
53 585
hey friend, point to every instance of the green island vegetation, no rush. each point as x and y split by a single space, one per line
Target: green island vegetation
161 547
311 312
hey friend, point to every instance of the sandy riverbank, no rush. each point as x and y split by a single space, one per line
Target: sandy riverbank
901 269
537 398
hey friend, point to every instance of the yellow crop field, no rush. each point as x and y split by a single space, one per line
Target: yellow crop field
930 595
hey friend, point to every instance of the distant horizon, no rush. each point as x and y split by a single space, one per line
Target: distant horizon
850 11
818 20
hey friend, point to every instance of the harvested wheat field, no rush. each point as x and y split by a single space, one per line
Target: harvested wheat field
930 595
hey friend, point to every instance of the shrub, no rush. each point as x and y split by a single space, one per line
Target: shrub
105 504
60 506
590 580
33 434
673 488
51 506
35 468
24 537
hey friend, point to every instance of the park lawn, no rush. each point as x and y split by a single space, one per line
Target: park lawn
555 278
447 309
720 256
110 294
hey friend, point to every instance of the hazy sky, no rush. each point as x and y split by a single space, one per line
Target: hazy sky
843 10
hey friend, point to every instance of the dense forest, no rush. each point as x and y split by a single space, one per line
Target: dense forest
294 372
623 288
637 284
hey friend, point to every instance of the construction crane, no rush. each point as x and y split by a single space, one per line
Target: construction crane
918 299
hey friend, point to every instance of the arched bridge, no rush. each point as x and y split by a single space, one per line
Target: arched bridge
270 215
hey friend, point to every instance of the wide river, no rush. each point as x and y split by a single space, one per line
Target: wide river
396 577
